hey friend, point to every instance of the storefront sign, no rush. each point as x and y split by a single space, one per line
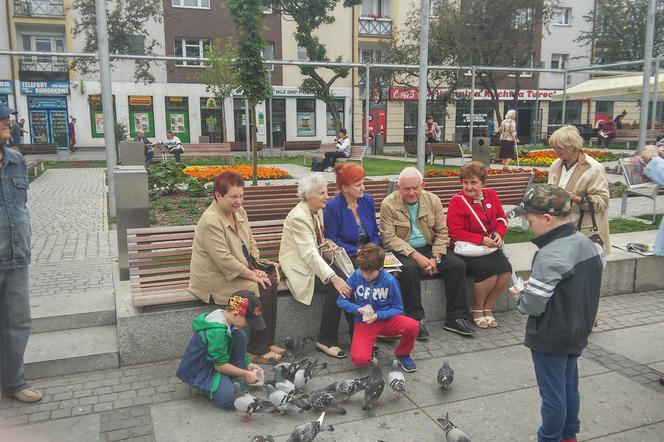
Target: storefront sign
44 87
477 118
137 100
6 87
290 92
412 94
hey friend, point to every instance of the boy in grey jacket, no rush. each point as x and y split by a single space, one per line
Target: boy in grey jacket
560 299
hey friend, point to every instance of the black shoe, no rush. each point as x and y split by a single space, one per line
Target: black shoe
459 326
423 334
374 352
383 338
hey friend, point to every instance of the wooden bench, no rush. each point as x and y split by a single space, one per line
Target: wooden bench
36 149
629 136
445 150
324 148
207 150
409 148
241 146
510 187
356 154
35 165
650 191
290 146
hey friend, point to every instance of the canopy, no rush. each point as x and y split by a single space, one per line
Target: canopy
628 86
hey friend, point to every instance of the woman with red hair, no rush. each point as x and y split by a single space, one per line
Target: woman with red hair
350 216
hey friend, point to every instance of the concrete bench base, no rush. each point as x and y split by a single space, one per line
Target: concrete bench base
161 334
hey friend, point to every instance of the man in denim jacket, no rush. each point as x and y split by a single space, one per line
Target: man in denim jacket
15 318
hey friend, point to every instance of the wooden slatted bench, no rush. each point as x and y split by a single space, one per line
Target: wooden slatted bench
207 150
291 146
241 146
324 148
36 149
510 187
35 166
409 148
445 150
629 136
356 154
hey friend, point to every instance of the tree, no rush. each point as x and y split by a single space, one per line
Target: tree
309 16
619 31
127 33
219 76
253 80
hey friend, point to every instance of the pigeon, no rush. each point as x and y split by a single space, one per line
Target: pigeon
304 375
295 345
452 433
247 404
286 386
288 370
373 386
324 400
286 402
445 376
396 380
345 388
307 432
263 438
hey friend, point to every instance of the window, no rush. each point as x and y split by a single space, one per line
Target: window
302 54
572 114
523 18
136 44
561 16
191 3
306 117
434 6
339 104
604 107
190 47
267 8
268 53
559 61
376 8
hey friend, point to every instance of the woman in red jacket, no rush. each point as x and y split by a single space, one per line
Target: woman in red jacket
475 215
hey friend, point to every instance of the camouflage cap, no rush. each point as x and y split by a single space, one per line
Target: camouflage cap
544 198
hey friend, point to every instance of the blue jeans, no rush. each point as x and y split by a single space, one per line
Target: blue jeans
223 397
15 322
558 381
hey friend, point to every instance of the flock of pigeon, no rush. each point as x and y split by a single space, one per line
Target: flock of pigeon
285 394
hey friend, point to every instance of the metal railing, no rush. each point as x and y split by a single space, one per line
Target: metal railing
377 27
43 64
39 8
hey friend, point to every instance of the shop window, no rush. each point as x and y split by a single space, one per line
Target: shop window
306 117
339 104
190 47
177 117
141 115
97 115
604 107
211 119
191 3
572 114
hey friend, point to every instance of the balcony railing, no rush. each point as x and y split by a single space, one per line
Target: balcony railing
39 8
43 64
375 27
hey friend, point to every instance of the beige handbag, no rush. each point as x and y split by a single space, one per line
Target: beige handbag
336 256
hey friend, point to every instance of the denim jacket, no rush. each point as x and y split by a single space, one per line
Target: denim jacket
14 219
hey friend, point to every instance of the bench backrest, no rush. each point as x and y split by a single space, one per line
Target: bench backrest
302 145
410 147
452 150
356 153
510 187
241 146
634 133
35 149
207 147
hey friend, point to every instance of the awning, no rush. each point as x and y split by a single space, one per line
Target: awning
627 86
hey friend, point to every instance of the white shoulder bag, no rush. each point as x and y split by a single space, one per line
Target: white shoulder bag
465 248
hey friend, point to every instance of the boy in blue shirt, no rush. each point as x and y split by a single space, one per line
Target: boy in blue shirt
378 309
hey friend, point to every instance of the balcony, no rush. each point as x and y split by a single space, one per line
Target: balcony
39 8
375 27
43 64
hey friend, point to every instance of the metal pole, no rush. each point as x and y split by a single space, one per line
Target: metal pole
472 107
367 102
647 65
106 101
564 97
537 115
247 129
423 78
271 134
655 93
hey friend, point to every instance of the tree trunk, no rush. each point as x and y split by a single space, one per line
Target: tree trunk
336 121
223 119
254 145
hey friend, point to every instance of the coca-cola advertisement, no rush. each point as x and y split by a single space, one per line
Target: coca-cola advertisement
404 93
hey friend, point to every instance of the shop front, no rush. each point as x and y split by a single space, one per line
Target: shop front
47 111
435 107
6 88
141 115
97 115
177 117
211 119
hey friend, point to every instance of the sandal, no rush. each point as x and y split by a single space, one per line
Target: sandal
490 320
334 351
480 321
278 350
267 358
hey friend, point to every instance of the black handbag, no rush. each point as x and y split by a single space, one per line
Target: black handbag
595 236
256 264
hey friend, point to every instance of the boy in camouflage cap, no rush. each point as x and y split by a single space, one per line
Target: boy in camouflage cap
560 299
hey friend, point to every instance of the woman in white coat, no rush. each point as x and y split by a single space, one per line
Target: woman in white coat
305 269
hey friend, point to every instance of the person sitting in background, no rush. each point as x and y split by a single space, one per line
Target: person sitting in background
343 150
173 145
607 132
619 118
350 216
148 146
475 215
376 304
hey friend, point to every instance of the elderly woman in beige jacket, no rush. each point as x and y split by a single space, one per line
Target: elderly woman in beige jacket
508 139
224 258
305 269
584 180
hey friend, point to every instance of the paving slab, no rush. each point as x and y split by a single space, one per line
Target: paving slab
479 374
72 310
643 343
610 403
75 429
650 433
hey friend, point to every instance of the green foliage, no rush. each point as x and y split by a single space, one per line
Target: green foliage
219 77
121 131
619 30
168 179
126 21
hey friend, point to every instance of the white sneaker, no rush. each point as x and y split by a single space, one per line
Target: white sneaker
329 169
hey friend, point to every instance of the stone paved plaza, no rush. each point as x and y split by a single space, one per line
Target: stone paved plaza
494 395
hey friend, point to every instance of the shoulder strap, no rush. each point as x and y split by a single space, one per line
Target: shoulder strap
474 213
591 209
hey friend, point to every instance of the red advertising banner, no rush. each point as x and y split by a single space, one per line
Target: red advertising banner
412 94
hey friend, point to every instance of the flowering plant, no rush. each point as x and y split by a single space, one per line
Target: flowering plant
208 173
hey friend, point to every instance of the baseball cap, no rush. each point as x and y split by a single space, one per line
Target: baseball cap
6 111
544 198
248 305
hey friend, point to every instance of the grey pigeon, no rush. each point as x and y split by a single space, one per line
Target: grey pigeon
308 432
247 404
286 402
452 433
323 401
374 384
345 388
286 386
445 376
263 438
396 380
304 375
295 345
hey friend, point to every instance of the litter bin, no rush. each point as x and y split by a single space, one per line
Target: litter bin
482 150
379 141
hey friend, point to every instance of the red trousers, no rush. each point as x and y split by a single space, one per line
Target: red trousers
364 337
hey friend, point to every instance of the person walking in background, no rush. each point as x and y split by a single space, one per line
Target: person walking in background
21 123
508 139
71 128
15 320
561 299
15 130
432 131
